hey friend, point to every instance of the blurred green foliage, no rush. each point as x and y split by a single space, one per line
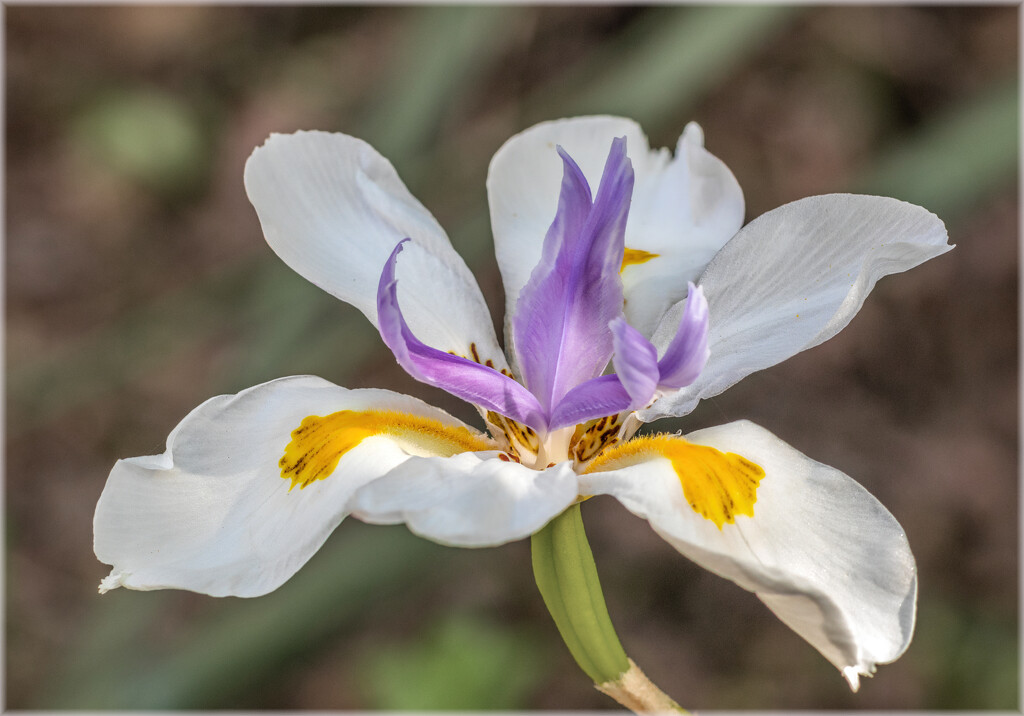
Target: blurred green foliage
451 48
149 136
461 663
240 642
958 159
664 62
972 659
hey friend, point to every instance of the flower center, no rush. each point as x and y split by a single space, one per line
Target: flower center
594 436
526 446
518 440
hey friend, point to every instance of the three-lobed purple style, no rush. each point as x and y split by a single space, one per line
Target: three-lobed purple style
568 323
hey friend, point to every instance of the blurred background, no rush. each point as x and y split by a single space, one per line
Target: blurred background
138 285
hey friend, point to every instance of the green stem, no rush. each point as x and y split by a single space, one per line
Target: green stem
564 568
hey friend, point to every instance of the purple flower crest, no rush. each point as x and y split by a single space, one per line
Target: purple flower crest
568 323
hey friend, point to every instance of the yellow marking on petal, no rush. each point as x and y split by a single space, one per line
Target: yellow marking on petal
717 485
517 437
320 442
636 256
591 438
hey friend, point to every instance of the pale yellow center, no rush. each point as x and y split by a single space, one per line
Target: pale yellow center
717 485
320 442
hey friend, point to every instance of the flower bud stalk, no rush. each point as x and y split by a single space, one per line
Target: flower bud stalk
566 575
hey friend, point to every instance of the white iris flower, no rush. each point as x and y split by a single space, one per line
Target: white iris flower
632 292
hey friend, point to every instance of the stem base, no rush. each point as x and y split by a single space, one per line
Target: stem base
638 694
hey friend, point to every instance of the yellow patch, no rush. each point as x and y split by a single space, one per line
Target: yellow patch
518 438
636 256
717 485
591 438
320 442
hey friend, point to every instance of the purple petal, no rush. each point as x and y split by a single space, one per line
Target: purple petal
560 329
686 355
459 376
638 372
631 387
635 361
595 398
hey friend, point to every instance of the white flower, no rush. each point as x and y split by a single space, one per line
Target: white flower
600 242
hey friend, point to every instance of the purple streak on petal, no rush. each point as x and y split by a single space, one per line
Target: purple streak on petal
459 376
560 330
595 398
635 361
686 355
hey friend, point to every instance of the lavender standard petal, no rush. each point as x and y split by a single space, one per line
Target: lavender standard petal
686 355
459 376
560 329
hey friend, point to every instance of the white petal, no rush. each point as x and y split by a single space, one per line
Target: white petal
333 209
792 279
820 551
212 514
684 209
469 500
